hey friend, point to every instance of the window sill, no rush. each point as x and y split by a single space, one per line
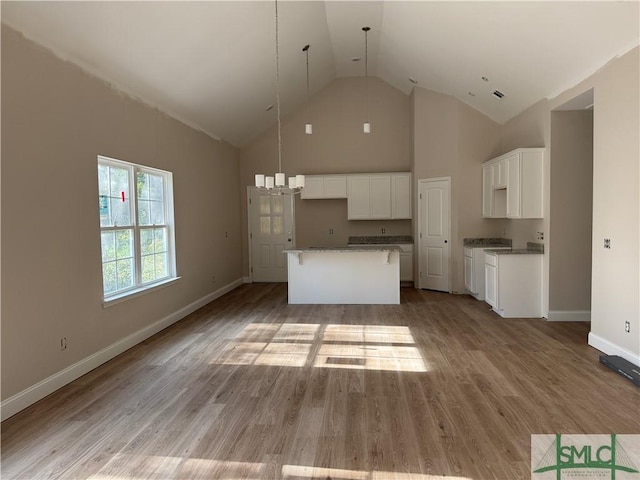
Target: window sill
123 297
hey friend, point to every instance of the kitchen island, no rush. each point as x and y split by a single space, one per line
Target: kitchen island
344 275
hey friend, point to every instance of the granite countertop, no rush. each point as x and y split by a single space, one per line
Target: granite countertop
359 248
380 240
532 249
487 242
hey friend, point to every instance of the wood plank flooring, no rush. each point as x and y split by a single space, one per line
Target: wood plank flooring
251 387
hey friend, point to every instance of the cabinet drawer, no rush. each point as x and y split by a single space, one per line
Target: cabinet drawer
491 259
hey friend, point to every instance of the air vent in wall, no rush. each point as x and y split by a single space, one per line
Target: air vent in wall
498 94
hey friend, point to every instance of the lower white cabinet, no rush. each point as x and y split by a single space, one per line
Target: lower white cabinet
513 284
474 270
406 263
406 259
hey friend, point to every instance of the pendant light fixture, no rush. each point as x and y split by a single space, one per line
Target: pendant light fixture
308 127
366 126
276 185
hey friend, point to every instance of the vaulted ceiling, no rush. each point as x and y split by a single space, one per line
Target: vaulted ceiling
212 64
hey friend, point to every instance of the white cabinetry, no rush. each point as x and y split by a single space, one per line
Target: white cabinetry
525 184
406 263
380 196
324 186
474 270
401 196
512 185
513 284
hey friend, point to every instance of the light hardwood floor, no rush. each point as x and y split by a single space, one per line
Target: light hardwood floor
251 387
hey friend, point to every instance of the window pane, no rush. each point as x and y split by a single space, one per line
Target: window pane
120 212
156 188
105 212
265 225
125 273
278 203
109 277
144 212
146 241
265 205
148 268
119 182
108 246
161 265
160 244
143 186
103 180
124 244
157 213
278 225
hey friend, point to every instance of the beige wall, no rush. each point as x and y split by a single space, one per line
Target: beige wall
56 119
616 203
336 146
571 195
451 139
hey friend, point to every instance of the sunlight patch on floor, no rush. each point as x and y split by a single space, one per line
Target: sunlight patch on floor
167 467
360 347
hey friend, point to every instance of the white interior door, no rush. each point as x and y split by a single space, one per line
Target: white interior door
434 224
271 231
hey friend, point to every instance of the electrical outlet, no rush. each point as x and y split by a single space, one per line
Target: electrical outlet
384 230
63 343
331 231
607 243
627 326
213 279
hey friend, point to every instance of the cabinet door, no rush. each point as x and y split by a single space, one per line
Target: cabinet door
401 196
499 171
491 285
487 186
335 186
380 196
513 186
313 187
358 203
468 274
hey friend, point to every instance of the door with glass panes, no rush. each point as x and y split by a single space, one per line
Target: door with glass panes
271 232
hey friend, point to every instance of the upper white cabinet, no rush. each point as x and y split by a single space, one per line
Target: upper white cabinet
324 186
401 195
512 185
379 196
525 184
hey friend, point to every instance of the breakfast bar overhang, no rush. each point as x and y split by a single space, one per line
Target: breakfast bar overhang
344 275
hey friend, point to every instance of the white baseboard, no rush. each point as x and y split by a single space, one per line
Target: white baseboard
569 316
609 348
29 396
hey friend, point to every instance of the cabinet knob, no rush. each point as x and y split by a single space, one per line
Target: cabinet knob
446 241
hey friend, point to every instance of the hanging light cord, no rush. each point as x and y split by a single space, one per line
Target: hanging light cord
306 49
278 93
366 70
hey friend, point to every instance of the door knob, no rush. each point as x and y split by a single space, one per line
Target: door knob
445 241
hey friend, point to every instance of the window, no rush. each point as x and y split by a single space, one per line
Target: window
136 227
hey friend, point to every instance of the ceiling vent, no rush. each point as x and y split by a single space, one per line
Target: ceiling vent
498 94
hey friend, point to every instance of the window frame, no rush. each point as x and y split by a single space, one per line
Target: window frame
139 286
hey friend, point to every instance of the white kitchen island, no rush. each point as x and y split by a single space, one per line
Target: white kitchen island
344 275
